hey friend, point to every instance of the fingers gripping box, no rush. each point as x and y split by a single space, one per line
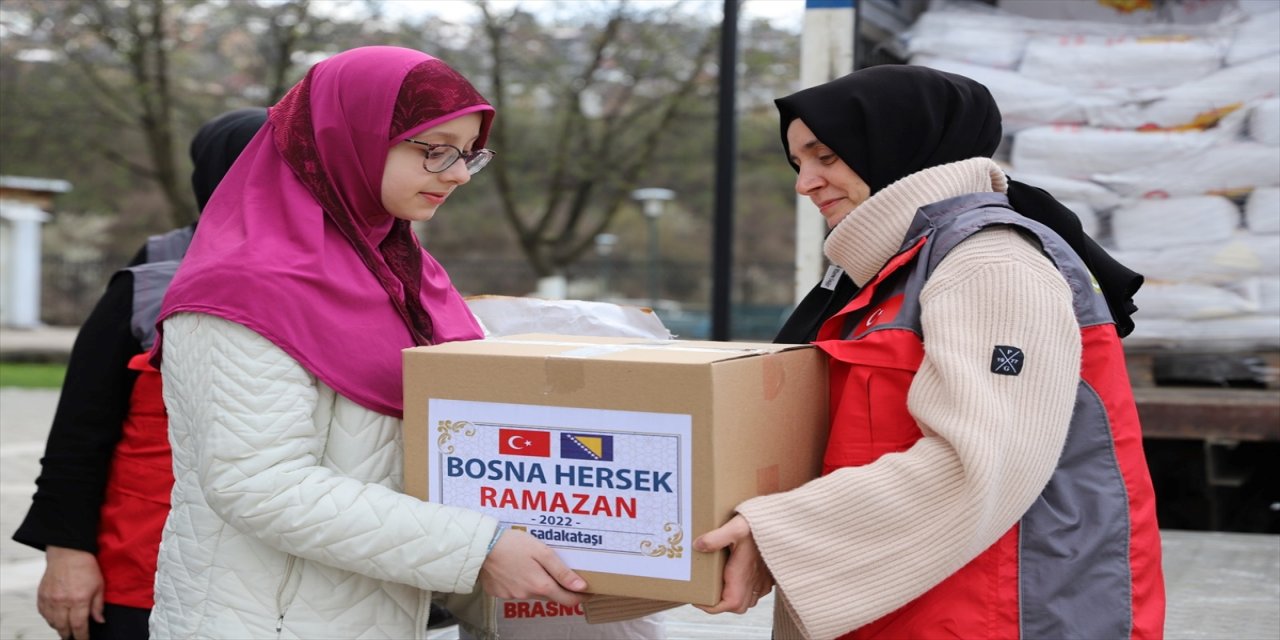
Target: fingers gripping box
616 452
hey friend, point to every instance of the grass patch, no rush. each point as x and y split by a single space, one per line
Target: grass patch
32 375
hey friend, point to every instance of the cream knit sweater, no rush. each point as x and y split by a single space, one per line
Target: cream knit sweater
857 544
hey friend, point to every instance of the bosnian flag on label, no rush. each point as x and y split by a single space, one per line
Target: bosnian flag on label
586 446
523 442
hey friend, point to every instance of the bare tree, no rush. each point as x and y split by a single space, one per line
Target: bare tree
593 158
124 52
135 34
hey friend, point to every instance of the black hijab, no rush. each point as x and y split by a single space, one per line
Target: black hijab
216 146
890 121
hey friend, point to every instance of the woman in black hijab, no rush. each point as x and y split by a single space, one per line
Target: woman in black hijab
984 474
889 122
84 591
216 146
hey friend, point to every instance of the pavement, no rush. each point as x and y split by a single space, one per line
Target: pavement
38 344
24 424
1219 585
25 415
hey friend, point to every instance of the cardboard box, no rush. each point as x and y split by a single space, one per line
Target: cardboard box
616 452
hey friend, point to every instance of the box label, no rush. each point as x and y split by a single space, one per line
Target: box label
608 490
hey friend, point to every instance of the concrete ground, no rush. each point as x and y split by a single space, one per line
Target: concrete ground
24 424
39 344
1220 585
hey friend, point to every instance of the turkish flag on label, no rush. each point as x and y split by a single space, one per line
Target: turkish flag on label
521 442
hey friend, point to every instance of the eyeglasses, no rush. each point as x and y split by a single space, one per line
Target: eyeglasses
439 157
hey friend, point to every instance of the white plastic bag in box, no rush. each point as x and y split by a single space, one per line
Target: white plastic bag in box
1198 103
507 315
1262 211
1233 169
1154 224
1126 62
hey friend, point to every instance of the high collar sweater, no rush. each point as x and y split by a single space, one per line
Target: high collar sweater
854 545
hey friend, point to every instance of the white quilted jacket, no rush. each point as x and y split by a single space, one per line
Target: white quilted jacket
287 520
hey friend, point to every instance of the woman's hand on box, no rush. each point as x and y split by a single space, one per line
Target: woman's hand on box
746 578
520 567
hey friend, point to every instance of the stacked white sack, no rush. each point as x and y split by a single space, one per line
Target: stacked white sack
1224 262
972 37
1262 211
1125 13
1232 168
1236 333
1267 294
1199 103
1186 301
1153 224
1264 121
1256 37
1263 292
1098 197
1024 102
1165 110
1080 152
1126 62
1207 280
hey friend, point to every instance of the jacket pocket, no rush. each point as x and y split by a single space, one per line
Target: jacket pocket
869 380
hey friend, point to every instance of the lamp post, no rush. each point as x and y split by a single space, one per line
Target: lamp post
653 198
605 242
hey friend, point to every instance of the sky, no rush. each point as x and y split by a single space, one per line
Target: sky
784 14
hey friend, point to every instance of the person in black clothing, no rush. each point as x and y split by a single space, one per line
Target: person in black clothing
64 518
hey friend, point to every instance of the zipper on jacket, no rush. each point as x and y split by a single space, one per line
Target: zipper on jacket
491 616
281 605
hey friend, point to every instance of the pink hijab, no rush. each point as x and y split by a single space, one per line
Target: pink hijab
296 245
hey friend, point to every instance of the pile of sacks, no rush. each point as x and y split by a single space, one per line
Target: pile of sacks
1163 135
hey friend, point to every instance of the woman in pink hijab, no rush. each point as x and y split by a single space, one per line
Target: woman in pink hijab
280 349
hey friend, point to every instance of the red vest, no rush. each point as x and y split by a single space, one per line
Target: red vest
1084 561
136 500
137 496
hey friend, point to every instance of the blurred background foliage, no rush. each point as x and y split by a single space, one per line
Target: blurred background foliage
595 98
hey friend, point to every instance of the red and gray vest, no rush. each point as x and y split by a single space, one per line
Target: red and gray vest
136 501
1084 560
